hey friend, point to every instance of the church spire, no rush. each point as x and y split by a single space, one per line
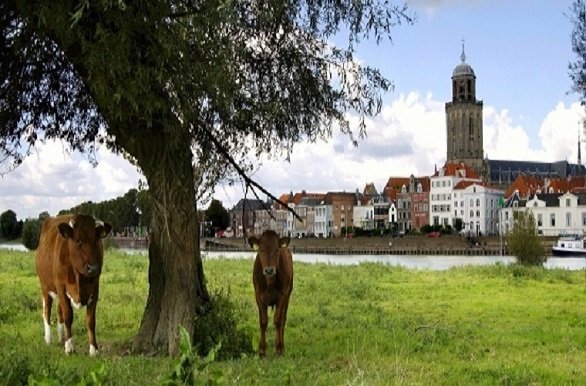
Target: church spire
463 56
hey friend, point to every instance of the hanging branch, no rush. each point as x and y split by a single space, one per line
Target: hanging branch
247 180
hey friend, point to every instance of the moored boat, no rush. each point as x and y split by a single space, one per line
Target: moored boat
572 245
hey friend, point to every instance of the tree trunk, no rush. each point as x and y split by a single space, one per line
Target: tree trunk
177 288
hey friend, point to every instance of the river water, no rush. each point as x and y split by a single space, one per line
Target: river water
435 262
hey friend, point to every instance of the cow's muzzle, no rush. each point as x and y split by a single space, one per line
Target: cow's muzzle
269 271
92 269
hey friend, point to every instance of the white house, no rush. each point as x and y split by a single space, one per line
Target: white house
477 204
555 213
363 216
323 220
441 193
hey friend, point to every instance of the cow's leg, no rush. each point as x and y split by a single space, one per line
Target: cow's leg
90 323
263 321
47 303
60 325
280 320
67 314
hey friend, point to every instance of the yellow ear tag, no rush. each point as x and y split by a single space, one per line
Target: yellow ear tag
256 247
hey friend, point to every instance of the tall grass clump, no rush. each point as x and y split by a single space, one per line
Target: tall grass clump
219 328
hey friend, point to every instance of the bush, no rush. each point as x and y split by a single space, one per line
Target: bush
31 231
219 325
523 241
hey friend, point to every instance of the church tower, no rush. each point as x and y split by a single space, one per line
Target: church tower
464 119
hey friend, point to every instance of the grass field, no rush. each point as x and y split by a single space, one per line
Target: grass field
348 325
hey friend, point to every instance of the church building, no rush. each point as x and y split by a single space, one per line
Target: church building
465 138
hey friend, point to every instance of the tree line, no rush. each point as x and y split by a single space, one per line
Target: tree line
129 215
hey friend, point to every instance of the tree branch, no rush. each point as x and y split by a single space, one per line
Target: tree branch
248 181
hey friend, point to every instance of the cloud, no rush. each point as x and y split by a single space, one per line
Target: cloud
52 179
407 137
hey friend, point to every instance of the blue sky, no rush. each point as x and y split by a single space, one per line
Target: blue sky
519 51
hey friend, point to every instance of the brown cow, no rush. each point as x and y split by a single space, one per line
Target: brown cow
69 262
272 277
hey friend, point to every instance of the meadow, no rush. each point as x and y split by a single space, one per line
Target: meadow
369 324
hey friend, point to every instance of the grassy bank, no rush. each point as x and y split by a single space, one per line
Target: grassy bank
366 324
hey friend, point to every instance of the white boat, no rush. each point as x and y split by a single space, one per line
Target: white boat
570 245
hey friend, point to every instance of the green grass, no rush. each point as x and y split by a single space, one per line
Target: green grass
348 325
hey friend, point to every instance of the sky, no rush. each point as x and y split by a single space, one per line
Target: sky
519 51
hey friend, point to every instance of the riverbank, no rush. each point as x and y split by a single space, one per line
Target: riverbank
407 245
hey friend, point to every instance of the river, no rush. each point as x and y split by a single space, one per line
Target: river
435 262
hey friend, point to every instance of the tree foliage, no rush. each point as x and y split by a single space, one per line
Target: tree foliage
578 67
31 231
523 240
10 227
122 212
217 215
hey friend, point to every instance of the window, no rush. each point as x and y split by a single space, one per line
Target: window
471 202
477 213
478 202
567 202
583 218
568 219
540 219
471 213
552 219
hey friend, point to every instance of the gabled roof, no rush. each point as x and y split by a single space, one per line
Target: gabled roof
332 197
370 190
460 170
466 183
248 205
528 185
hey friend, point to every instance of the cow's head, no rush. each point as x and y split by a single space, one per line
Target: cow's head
268 250
84 235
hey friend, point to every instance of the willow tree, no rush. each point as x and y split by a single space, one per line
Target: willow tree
187 89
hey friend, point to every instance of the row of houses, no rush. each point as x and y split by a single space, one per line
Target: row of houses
453 197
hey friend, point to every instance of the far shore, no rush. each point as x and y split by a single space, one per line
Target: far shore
406 245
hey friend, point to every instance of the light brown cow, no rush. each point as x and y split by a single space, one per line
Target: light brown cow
69 262
273 282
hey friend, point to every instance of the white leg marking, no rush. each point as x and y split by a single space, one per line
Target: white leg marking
60 329
69 346
73 303
93 350
47 326
53 294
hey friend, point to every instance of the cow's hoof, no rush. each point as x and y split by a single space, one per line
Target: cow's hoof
69 346
93 350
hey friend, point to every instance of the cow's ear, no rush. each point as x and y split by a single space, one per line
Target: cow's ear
284 241
254 243
103 230
65 230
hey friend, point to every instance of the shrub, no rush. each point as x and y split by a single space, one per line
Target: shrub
523 241
219 324
31 232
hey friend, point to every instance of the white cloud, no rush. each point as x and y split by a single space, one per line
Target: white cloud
52 179
408 137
